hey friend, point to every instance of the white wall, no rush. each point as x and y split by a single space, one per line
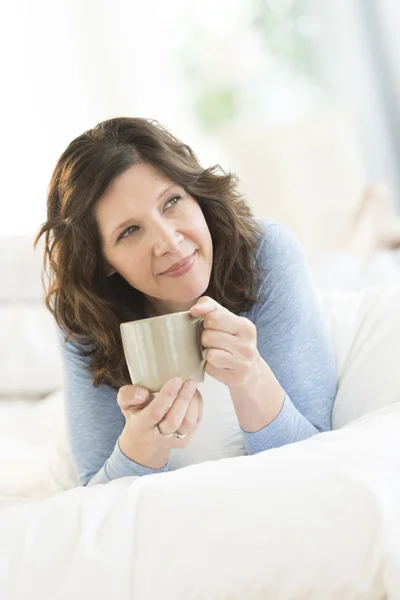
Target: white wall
66 65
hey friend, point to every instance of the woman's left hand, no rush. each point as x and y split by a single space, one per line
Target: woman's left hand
231 343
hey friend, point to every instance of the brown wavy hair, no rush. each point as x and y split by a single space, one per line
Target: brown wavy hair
87 304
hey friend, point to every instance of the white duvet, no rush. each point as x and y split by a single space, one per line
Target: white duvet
315 520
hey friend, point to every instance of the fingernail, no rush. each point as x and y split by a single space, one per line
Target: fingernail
140 394
175 385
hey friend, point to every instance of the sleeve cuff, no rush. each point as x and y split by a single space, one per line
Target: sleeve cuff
287 427
119 465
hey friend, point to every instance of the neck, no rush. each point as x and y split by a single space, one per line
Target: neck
154 307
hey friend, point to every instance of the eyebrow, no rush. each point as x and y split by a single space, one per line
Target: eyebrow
127 221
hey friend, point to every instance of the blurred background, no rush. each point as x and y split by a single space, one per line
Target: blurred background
298 97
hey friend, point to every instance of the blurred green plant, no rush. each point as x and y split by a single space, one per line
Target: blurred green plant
215 106
285 30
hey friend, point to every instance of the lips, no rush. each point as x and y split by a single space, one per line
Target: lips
179 265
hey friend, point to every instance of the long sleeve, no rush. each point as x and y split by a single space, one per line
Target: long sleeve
293 340
94 424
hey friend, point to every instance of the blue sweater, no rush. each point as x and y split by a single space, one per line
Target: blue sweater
292 339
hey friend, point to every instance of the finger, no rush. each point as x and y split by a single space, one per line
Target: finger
191 418
221 359
218 374
200 408
173 419
217 316
161 402
210 338
223 320
131 396
204 305
240 348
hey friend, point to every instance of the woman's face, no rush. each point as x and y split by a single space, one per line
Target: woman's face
155 236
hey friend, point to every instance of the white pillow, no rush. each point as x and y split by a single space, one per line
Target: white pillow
365 329
30 357
20 269
29 354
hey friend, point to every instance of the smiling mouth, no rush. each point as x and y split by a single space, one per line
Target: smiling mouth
175 268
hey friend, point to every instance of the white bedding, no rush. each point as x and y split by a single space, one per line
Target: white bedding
315 520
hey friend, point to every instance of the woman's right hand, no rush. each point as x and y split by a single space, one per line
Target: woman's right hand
139 440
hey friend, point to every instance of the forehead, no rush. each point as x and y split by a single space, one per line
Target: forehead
140 183
137 180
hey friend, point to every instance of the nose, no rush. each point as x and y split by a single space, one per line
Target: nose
167 239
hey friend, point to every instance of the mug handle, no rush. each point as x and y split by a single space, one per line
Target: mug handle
204 351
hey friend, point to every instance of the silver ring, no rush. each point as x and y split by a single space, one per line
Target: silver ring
180 436
157 431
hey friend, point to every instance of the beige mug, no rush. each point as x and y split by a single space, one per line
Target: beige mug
160 348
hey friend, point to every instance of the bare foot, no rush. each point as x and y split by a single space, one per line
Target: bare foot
375 225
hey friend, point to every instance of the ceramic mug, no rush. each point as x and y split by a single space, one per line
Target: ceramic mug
160 348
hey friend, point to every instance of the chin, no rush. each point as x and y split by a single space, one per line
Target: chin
190 297
190 293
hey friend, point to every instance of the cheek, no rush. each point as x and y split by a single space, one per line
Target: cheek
200 228
134 266
205 236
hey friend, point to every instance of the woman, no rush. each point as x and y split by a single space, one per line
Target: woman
128 202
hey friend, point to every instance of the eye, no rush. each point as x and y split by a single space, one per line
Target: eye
172 201
128 232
